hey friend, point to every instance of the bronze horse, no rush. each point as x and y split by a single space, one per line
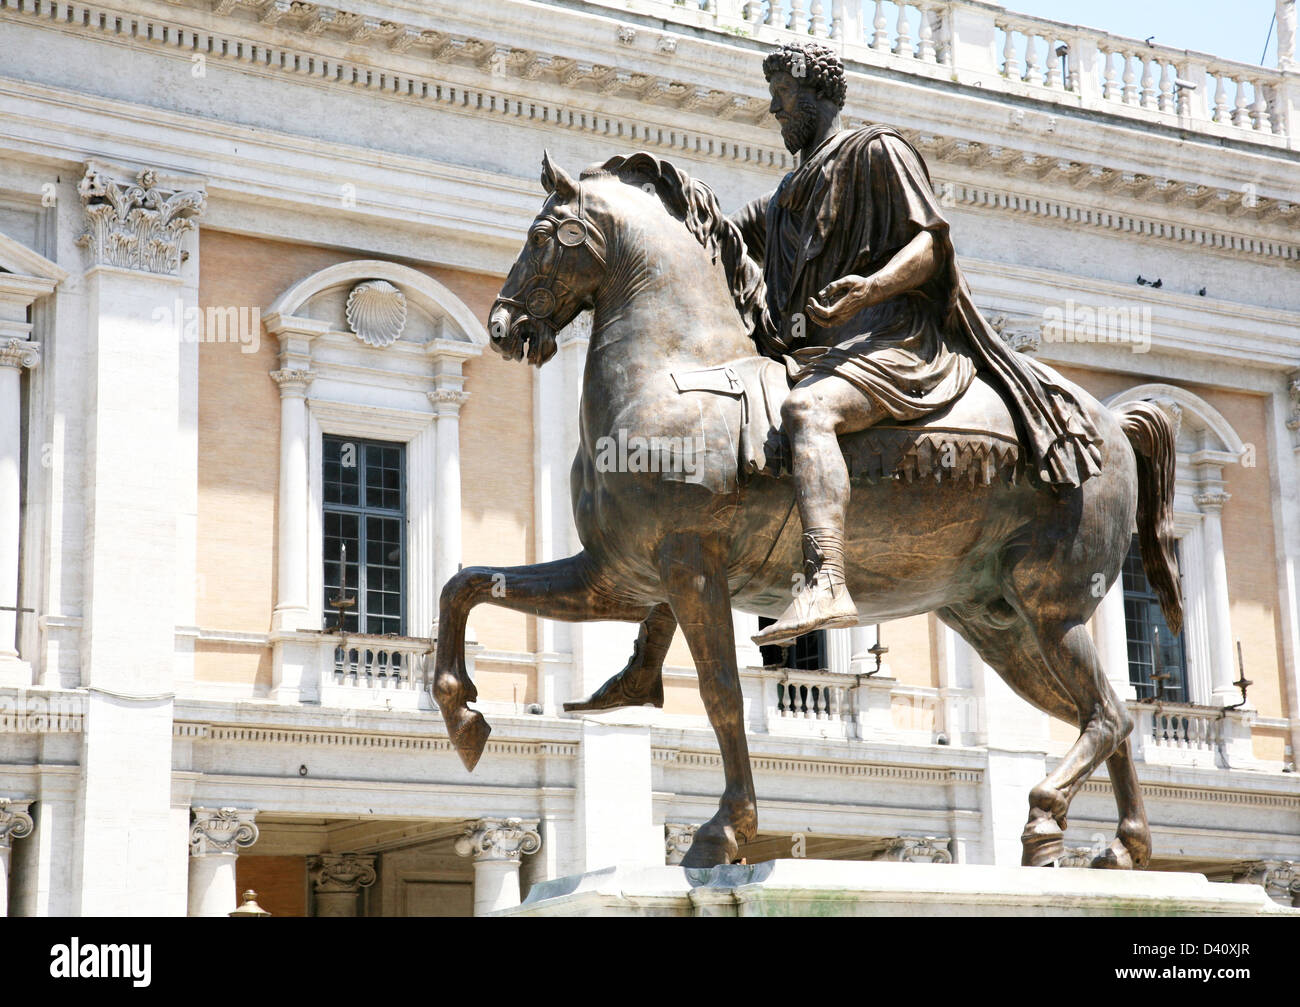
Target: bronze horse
1012 567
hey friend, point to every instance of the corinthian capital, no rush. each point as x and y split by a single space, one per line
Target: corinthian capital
221 830
15 822
341 873
138 224
499 839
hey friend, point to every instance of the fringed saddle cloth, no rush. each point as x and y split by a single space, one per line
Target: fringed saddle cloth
973 440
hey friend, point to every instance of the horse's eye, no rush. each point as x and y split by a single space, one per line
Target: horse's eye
540 237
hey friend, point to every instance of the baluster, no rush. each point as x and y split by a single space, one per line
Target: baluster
1167 97
773 14
1220 99
942 36
925 33
817 19
1053 65
797 22
1074 80
754 13
903 47
1148 84
1130 78
1110 87
1033 72
1010 62
1241 108
1260 110
880 39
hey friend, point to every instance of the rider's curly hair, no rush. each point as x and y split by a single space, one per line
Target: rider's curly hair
814 61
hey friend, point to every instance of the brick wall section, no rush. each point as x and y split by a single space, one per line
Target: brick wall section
280 883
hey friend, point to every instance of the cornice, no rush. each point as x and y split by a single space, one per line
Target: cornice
847 768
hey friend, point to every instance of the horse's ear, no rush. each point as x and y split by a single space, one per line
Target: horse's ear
555 179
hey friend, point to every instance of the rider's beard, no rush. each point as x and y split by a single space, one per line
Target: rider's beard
798 132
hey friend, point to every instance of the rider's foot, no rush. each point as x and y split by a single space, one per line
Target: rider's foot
617 693
824 602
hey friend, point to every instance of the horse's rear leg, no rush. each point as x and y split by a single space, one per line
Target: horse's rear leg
694 575
1013 652
563 589
1105 725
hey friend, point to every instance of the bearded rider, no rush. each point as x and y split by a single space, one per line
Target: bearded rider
866 303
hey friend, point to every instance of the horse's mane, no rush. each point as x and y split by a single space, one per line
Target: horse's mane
694 204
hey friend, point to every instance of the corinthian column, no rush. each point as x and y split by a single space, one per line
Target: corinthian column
497 845
337 880
216 837
15 823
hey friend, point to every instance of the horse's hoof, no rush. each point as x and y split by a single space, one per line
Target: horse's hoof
712 849
1116 858
1043 846
470 737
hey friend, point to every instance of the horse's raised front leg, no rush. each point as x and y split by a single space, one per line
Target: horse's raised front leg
694 575
641 682
564 589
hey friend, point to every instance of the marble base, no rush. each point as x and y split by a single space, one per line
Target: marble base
851 888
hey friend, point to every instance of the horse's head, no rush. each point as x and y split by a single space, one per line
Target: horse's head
555 276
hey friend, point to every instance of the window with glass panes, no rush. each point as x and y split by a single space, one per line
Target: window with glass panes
1144 623
806 653
365 509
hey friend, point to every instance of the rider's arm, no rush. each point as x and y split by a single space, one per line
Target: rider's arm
911 267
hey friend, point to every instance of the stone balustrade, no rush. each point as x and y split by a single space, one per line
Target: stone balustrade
1182 734
1000 50
357 664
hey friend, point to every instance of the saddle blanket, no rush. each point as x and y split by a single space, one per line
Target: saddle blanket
973 440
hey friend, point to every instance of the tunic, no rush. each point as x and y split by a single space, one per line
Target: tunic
856 201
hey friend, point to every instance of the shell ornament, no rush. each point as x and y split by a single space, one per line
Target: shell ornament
376 312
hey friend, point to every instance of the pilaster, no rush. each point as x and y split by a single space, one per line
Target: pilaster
138 288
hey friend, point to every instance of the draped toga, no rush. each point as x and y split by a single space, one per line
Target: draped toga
858 200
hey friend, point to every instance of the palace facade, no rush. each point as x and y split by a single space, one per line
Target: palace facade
250 424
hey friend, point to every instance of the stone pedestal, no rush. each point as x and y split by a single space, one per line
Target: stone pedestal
337 880
884 889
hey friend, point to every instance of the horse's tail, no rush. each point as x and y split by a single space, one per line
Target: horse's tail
1152 437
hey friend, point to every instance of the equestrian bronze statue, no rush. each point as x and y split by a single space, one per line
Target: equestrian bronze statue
835 435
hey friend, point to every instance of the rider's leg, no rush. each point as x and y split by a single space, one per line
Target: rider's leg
640 683
817 412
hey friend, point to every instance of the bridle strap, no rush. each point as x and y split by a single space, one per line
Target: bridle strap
544 284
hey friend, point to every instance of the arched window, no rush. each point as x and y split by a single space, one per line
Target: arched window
1206 445
371 385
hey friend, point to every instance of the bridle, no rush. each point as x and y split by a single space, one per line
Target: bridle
538 299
